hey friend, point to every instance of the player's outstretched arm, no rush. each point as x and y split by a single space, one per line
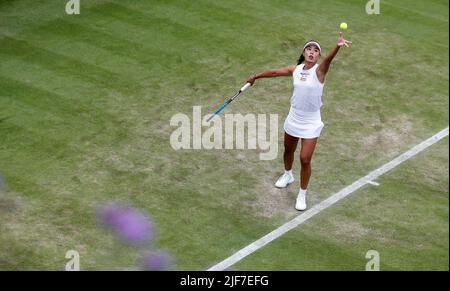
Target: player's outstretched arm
322 70
285 71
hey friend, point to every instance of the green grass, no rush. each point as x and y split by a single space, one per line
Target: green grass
406 222
85 105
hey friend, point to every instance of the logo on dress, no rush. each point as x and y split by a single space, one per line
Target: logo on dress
303 76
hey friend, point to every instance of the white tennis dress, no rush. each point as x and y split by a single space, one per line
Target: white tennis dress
304 119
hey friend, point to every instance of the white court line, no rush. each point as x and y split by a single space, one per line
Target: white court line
239 255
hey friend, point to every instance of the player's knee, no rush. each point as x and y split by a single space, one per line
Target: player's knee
305 160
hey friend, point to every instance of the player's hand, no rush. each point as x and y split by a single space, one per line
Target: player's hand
342 41
251 79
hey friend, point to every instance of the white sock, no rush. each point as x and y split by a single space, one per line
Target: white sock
303 192
288 172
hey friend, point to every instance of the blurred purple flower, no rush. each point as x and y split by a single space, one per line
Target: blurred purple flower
131 225
156 261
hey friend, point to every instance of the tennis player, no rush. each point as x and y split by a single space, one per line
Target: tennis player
304 121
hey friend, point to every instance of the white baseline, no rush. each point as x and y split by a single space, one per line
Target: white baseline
239 255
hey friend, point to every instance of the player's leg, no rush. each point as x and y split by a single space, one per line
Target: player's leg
307 150
290 145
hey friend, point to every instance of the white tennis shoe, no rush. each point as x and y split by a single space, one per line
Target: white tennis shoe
284 180
300 204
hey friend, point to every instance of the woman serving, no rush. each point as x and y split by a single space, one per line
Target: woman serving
304 121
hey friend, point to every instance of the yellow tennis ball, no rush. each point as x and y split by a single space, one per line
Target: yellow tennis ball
343 26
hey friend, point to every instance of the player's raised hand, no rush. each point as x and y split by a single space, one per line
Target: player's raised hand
342 41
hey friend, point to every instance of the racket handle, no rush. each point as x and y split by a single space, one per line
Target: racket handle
245 87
